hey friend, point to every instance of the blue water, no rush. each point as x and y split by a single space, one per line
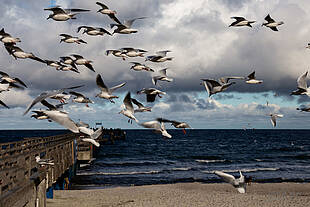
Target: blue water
146 158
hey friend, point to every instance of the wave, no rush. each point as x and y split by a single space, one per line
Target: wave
244 170
119 173
133 163
181 169
209 161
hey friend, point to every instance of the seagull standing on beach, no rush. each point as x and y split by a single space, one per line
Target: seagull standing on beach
129 110
70 39
302 87
151 93
106 92
251 79
271 23
159 127
213 87
60 14
241 21
161 56
239 183
162 77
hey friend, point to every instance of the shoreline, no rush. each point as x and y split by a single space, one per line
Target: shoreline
187 194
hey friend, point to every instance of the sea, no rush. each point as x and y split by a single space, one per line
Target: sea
146 158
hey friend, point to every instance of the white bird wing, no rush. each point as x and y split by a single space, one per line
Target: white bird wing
97 133
151 125
86 130
100 83
302 82
207 87
162 53
226 177
163 72
273 120
62 119
128 104
164 131
91 141
128 23
117 87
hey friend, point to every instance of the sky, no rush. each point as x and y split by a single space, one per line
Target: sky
202 44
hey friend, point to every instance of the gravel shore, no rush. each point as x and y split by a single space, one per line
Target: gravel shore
187 195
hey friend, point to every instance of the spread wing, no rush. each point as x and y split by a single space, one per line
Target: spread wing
269 19
4 74
274 28
137 103
252 75
56 10
101 84
117 87
273 120
48 105
128 103
162 53
302 82
114 18
65 35
62 119
3 104
83 27
102 5
163 72
226 177
20 82
239 19
77 94
128 23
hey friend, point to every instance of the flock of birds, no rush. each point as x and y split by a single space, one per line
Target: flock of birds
69 63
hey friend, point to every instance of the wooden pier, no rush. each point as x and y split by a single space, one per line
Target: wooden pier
23 182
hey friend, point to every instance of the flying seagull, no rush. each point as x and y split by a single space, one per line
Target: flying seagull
239 183
126 27
106 92
80 98
308 46
7 38
93 31
176 124
132 52
68 60
116 53
162 77
3 104
304 108
140 67
271 23
10 79
129 110
226 79
251 79
60 14
159 127
151 93
41 161
302 88
213 87
161 56
47 94
70 39
141 107
273 118
17 52
93 135
105 10
241 21
80 60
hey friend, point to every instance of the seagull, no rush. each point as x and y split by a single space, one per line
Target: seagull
159 57
239 183
304 108
52 63
224 80
17 52
132 52
5 86
308 46
159 127
271 23
128 111
162 77
273 118
126 27
68 60
107 11
302 88
106 92
251 79
116 53
93 135
141 107
68 68
140 67
3 104
213 87
7 38
48 94
79 60
60 14
41 161
93 31
80 98
40 115
241 21
176 124
70 39
62 97
9 79
151 93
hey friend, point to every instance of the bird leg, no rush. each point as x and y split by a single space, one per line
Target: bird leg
159 96
183 130
87 105
111 100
